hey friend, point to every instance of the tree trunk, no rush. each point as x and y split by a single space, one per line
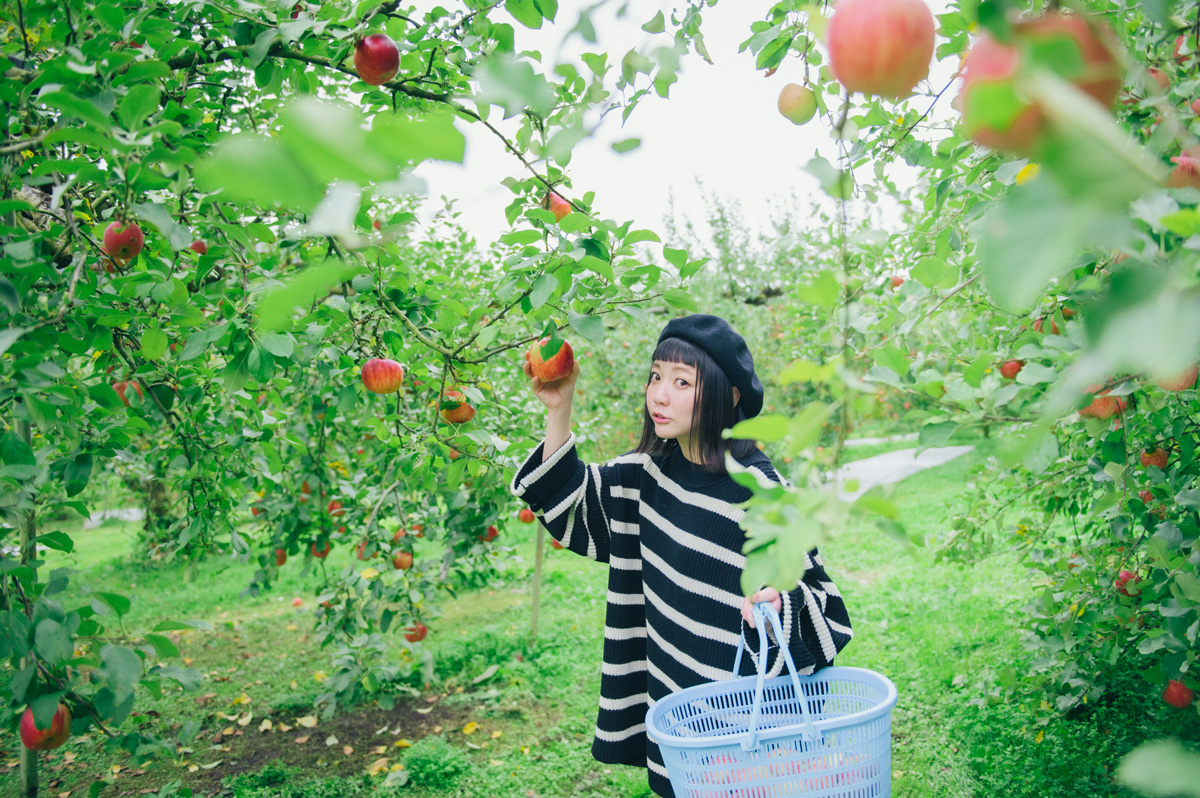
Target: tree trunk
27 526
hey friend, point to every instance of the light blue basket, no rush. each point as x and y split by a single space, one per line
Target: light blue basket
752 737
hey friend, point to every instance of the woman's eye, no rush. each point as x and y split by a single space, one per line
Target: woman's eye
682 382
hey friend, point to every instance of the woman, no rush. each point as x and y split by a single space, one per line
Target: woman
665 519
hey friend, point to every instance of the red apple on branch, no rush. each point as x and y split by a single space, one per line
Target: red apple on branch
491 534
1009 369
1157 458
1181 381
280 557
36 739
526 515
1126 583
121 387
123 241
558 366
199 247
880 47
556 544
382 376
1177 694
455 409
321 554
558 206
416 633
1103 405
996 110
797 103
376 59
335 509
402 561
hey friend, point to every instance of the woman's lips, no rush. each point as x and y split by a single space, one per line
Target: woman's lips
660 419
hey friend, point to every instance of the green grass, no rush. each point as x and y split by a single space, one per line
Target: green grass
936 629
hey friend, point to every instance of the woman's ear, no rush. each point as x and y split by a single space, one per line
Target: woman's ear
736 396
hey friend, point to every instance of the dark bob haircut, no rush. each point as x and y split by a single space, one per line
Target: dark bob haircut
713 412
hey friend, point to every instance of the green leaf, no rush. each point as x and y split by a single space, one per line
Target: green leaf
276 307
77 473
278 344
1189 585
237 371
543 288
79 108
513 85
679 298
163 646
929 271
454 473
9 336
15 451
59 541
524 11
823 291
154 343
805 428
590 327
139 103
1160 769
53 642
158 215
655 25
410 140
122 669
675 257
761 428
1184 222
236 166
119 604
937 434
627 145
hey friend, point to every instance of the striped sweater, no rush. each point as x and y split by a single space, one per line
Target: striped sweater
669 533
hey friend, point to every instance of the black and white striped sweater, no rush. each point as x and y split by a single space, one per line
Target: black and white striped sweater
669 533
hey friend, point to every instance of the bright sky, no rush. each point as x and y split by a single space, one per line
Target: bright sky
720 124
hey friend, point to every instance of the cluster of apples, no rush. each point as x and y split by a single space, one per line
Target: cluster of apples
877 47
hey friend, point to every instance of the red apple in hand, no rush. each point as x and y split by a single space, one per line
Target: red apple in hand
557 367
123 241
382 376
557 205
402 561
1009 369
36 739
455 409
880 47
376 59
1127 581
416 633
1177 694
526 515
1157 458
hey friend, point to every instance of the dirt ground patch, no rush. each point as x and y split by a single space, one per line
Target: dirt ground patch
362 736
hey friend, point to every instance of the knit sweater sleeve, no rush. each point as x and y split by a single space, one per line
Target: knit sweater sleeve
573 499
816 624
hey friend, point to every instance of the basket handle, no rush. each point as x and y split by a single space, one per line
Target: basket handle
763 612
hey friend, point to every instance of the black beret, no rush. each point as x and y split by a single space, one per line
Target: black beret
717 339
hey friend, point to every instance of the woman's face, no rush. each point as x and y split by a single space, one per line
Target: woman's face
670 399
